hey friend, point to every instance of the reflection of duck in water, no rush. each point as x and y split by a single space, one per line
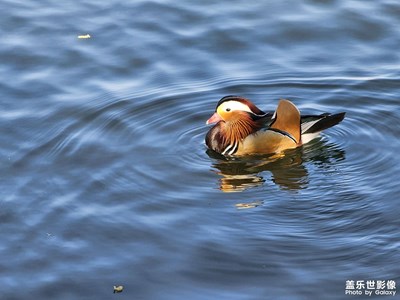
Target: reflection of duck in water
288 171
242 128
242 173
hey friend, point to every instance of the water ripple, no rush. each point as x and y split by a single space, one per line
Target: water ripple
104 165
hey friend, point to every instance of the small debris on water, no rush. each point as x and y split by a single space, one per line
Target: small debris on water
118 289
248 205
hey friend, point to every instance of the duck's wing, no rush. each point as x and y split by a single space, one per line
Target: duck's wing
283 133
287 120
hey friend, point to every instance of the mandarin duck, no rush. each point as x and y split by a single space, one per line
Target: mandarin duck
241 128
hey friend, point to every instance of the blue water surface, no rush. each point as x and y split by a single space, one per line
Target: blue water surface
105 179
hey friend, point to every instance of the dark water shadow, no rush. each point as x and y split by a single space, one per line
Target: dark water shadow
288 170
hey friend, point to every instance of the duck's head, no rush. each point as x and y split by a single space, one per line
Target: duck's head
231 108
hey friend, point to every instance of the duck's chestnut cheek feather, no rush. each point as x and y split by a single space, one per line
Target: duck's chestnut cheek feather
214 119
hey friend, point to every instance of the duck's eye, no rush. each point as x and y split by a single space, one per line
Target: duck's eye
228 109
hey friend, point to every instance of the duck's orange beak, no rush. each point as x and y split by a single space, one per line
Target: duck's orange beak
214 119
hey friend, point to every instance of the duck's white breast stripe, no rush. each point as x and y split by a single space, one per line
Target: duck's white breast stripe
226 149
231 149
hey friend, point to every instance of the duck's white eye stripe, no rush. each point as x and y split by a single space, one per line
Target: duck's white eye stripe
235 105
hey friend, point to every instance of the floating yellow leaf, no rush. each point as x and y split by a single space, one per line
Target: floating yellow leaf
86 36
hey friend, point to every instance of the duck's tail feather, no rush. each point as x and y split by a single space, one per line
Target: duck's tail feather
311 125
314 124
